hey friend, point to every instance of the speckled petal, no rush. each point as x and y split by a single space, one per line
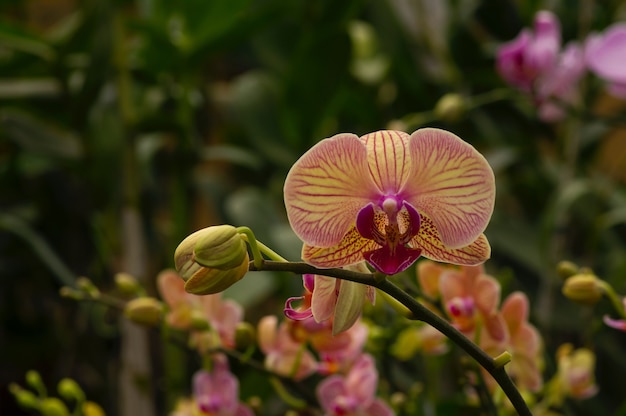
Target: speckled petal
326 188
452 184
433 248
349 251
388 159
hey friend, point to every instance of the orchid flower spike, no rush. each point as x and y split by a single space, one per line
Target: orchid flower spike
388 198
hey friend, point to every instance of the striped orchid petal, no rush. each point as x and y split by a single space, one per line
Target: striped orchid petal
452 184
433 247
388 159
326 188
349 251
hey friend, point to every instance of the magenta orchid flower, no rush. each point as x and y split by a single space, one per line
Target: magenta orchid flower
354 394
532 53
217 393
605 55
389 198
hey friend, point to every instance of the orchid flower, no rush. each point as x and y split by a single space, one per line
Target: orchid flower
576 371
472 299
334 300
217 393
605 55
353 394
389 198
284 355
223 316
532 53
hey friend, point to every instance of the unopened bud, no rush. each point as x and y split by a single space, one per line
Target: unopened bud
209 281
451 107
245 335
70 293
53 406
34 379
144 311
583 288
92 409
70 390
26 399
88 287
127 284
566 269
216 247
198 320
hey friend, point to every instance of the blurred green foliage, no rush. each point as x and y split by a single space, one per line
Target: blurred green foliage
190 113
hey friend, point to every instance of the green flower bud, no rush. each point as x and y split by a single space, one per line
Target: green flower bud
566 269
208 281
245 335
88 287
70 293
127 284
92 409
34 380
199 321
451 107
53 406
212 259
26 399
144 311
586 289
70 390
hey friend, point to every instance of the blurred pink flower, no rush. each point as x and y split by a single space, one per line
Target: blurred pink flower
221 315
388 197
471 299
524 343
534 63
605 54
576 371
532 53
216 393
284 355
353 394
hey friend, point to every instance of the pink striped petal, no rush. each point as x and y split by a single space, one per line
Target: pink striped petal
324 298
326 188
433 248
452 184
388 159
349 251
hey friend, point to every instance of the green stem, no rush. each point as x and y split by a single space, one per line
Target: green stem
615 299
420 312
254 246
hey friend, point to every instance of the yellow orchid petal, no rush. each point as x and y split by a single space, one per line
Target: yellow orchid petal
388 159
326 188
349 251
429 240
452 184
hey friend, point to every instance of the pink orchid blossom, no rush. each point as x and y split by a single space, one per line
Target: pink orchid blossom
284 355
532 53
605 54
353 394
223 316
576 371
389 197
523 342
471 299
535 63
217 393
327 299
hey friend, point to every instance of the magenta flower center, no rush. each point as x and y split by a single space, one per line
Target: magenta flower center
391 224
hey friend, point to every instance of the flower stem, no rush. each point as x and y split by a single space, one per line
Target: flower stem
248 235
420 312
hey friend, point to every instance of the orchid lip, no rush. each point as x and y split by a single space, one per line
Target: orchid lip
297 315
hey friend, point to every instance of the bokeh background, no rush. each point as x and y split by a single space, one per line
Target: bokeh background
125 125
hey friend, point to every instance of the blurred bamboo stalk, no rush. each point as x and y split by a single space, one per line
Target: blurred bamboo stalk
135 375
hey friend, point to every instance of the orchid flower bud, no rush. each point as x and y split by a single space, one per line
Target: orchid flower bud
144 311
212 259
583 288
